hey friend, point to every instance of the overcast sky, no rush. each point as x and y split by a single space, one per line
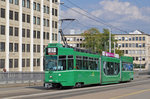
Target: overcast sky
127 15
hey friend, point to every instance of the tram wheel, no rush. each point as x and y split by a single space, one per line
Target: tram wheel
79 85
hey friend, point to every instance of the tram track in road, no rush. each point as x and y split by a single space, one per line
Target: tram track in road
57 94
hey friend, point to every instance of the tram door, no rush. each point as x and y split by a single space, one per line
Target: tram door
110 71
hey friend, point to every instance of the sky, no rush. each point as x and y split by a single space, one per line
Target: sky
120 16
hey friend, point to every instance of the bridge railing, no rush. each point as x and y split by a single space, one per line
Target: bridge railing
21 77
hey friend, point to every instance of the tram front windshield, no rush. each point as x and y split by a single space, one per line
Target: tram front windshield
51 63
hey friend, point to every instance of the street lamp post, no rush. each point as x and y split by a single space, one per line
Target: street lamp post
140 56
109 40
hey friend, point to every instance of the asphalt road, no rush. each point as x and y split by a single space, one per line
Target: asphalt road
138 89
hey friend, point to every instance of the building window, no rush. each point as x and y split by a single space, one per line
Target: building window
133 38
23 32
2 63
123 45
38 62
23 3
44 22
38 34
16 16
23 47
143 38
28 63
28 47
136 38
38 20
126 44
52 36
129 44
47 23
11 31
16 2
28 3
55 25
34 48
44 9
16 63
23 62
11 1
55 37
38 48
129 39
28 18
122 38
2 46
126 51
55 12
23 17
2 29
28 33
140 38
16 47
47 10
43 35
137 45
11 15
47 35
2 13
34 5
16 31
143 44
10 63
136 58
38 7
10 47
52 11
34 20
34 34
34 62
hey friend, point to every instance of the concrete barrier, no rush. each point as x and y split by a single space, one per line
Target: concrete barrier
21 77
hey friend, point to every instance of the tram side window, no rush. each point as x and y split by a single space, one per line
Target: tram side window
127 67
91 67
85 63
111 68
62 63
70 63
93 64
79 62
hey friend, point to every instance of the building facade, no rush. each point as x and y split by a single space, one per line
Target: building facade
135 44
26 28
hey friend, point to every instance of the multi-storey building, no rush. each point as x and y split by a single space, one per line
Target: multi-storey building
135 44
26 27
74 40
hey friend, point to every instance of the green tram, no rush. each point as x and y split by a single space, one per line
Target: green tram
75 67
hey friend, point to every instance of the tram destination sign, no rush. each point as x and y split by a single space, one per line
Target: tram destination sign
51 51
104 53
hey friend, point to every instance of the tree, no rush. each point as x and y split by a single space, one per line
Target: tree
98 42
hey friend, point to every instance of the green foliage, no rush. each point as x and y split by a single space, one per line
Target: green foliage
98 42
